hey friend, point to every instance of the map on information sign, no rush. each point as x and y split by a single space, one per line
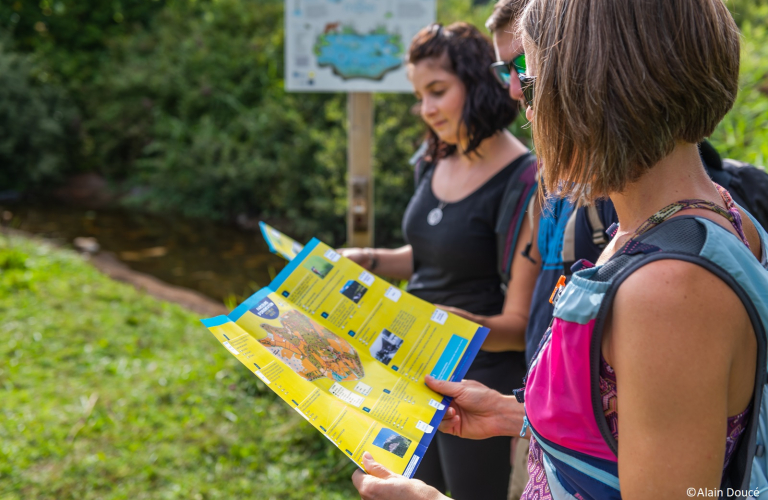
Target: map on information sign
351 45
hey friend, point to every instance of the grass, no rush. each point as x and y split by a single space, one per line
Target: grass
107 393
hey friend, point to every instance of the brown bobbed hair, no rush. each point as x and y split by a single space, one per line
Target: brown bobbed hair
620 82
468 54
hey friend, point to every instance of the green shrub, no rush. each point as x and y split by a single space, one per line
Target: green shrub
743 133
37 123
748 11
192 113
72 35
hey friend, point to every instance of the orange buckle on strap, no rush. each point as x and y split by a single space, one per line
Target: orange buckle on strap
560 284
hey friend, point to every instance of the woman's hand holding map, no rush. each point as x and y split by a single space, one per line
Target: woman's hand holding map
382 484
476 411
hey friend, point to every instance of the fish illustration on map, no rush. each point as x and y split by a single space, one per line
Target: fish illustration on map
311 350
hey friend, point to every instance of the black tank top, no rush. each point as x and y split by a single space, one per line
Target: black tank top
454 261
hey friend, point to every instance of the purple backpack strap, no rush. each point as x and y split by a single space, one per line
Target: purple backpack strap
520 190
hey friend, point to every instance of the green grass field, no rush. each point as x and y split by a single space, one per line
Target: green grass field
107 393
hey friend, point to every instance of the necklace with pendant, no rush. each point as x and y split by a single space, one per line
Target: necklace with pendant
436 214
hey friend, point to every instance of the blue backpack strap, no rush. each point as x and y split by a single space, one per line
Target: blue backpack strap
518 194
680 238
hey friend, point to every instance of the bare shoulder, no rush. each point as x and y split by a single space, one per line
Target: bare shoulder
677 339
680 306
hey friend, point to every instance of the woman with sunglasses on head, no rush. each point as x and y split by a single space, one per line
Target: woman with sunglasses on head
664 341
450 227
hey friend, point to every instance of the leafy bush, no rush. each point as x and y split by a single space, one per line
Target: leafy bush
748 11
72 35
193 114
743 133
37 124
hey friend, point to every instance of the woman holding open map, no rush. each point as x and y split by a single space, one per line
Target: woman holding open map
451 226
664 339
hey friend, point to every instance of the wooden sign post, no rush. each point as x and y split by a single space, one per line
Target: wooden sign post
360 169
357 47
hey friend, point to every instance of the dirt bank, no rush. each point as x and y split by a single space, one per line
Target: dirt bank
107 263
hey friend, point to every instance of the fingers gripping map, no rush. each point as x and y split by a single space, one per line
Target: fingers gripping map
351 45
349 352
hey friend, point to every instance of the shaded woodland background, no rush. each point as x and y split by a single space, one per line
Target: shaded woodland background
179 105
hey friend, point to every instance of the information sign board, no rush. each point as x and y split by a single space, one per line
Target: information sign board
351 45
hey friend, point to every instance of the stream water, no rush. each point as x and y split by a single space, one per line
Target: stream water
219 260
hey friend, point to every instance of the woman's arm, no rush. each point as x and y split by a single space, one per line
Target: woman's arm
392 263
683 350
508 328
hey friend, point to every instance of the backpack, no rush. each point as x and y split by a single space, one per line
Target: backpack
599 236
747 183
583 455
748 186
516 202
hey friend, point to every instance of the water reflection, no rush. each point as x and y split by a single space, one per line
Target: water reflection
218 260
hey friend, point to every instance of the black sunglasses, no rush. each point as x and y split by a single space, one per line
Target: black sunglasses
526 84
502 70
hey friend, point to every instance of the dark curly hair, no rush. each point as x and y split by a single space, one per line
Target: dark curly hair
468 54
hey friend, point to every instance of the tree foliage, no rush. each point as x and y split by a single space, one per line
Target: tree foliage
37 123
182 104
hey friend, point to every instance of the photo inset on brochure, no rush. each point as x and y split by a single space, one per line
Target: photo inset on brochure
353 290
311 350
385 346
318 265
392 442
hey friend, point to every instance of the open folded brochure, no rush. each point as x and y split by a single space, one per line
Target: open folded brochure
349 352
